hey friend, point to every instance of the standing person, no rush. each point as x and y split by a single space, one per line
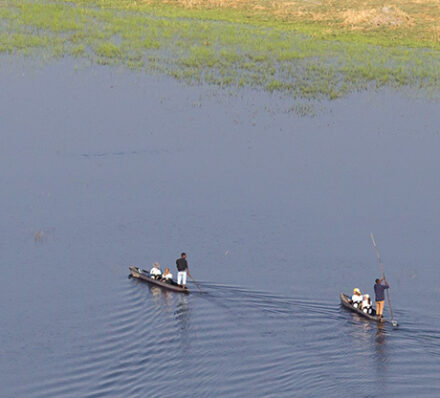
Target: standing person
182 270
379 291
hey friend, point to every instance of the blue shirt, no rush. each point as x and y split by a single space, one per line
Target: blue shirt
379 291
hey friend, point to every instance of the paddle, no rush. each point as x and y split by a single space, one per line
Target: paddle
198 287
393 322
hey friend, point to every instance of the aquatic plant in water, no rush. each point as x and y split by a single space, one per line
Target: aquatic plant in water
268 45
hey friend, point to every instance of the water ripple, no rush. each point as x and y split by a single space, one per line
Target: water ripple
235 342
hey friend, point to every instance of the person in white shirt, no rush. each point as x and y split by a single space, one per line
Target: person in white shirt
366 304
167 275
155 272
356 299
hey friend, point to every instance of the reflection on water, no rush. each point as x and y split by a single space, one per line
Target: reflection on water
380 334
182 316
371 339
380 356
182 311
161 297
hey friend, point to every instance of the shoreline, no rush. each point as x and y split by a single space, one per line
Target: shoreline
222 46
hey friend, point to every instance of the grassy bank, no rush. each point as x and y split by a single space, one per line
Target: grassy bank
320 49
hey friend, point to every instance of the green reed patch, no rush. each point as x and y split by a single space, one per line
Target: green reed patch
218 48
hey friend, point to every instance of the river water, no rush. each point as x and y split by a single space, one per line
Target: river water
102 168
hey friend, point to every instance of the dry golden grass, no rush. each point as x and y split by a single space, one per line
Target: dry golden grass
210 4
422 17
388 16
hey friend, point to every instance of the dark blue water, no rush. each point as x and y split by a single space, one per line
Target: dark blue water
102 168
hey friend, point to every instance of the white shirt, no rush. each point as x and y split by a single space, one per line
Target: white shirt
155 271
366 304
356 298
168 276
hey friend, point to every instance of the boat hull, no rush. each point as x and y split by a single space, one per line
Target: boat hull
135 273
346 303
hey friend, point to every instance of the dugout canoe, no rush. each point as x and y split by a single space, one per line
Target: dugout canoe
345 301
136 273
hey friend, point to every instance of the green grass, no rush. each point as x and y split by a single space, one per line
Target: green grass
226 47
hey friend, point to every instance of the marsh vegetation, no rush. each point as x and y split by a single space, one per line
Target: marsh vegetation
320 49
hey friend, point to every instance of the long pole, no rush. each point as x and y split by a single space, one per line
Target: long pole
383 273
198 287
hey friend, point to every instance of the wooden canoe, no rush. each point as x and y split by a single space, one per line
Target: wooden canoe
135 273
345 301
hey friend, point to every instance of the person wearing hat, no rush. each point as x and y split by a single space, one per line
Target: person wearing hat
155 272
366 305
356 299
379 291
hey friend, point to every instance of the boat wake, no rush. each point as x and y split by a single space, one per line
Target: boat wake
231 342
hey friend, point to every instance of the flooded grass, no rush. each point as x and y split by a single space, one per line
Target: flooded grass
316 50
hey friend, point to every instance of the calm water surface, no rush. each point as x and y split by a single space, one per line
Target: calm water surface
101 169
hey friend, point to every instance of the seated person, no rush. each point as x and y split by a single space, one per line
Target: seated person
356 299
168 277
155 272
366 305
